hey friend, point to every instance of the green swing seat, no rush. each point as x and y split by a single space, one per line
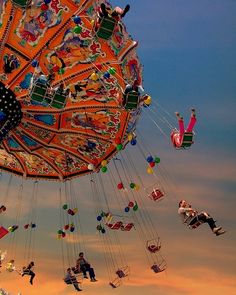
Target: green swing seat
187 140
106 27
22 3
59 100
131 100
40 93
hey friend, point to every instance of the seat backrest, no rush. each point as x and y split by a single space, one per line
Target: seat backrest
38 92
22 3
156 268
190 219
156 194
120 273
42 93
58 100
127 227
67 281
187 139
195 225
106 27
132 100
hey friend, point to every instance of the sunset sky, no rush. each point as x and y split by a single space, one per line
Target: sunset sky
188 49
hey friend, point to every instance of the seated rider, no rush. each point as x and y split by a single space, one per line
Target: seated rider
70 279
41 78
185 211
177 136
2 256
10 267
116 13
85 266
28 271
2 209
135 87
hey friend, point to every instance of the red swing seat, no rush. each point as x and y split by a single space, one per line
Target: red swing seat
156 195
116 225
127 227
3 231
154 245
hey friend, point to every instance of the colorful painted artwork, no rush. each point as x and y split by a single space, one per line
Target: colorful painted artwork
37 20
70 85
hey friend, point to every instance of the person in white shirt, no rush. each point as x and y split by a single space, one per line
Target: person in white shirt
71 279
191 217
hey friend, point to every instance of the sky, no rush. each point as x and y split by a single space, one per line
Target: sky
188 52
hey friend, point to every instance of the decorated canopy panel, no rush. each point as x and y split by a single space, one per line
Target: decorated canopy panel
62 87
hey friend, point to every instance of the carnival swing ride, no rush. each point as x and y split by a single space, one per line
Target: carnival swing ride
70 98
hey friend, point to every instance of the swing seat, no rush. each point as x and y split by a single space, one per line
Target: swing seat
190 218
153 248
108 217
42 93
26 271
116 225
131 100
156 195
127 227
106 27
195 225
187 140
58 100
156 268
70 281
76 270
123 272
115 283
39 92
22 3
154 245
120 273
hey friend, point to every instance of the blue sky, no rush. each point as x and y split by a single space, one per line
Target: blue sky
188 49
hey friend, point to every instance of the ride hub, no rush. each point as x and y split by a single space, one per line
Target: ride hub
10 111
